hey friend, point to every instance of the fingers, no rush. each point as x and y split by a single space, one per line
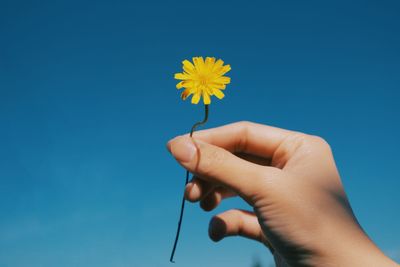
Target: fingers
220 167
211 201
209 196
247 137
235 223
214 198
197 189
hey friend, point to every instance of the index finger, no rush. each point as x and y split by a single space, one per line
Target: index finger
245 137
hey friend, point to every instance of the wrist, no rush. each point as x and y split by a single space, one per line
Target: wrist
351 247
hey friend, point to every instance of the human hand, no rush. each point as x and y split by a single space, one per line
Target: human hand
300 209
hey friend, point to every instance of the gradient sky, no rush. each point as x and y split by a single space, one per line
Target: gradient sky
88 102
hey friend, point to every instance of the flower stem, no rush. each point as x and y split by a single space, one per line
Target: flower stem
186 182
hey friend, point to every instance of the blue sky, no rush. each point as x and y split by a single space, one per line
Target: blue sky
88 101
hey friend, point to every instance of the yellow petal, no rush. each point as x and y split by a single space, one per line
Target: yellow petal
206 98
188 66
187 83
218 93
198 63
220 86
206 88
179 85
224 69
182 76
196 98
209 64
222 79
187 92
218 65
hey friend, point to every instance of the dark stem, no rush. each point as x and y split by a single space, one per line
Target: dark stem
186 182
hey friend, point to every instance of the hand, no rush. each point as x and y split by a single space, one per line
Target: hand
300 209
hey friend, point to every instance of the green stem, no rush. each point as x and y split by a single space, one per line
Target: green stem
186 182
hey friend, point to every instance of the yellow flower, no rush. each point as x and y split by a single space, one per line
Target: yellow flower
203 78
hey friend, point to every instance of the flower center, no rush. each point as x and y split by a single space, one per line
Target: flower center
203 80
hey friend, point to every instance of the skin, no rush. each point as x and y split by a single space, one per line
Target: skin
300 209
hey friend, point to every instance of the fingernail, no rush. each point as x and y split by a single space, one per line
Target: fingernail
182 148
216 229
193 192
188 190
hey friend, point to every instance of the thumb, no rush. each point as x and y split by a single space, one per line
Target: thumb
218 165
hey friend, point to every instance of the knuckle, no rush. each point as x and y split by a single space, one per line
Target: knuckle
230 213
293 142
296 138
242 129
301 140
320 142
243 124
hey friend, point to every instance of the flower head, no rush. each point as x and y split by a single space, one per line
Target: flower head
203 78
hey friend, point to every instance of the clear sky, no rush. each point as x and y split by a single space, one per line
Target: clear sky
88 101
